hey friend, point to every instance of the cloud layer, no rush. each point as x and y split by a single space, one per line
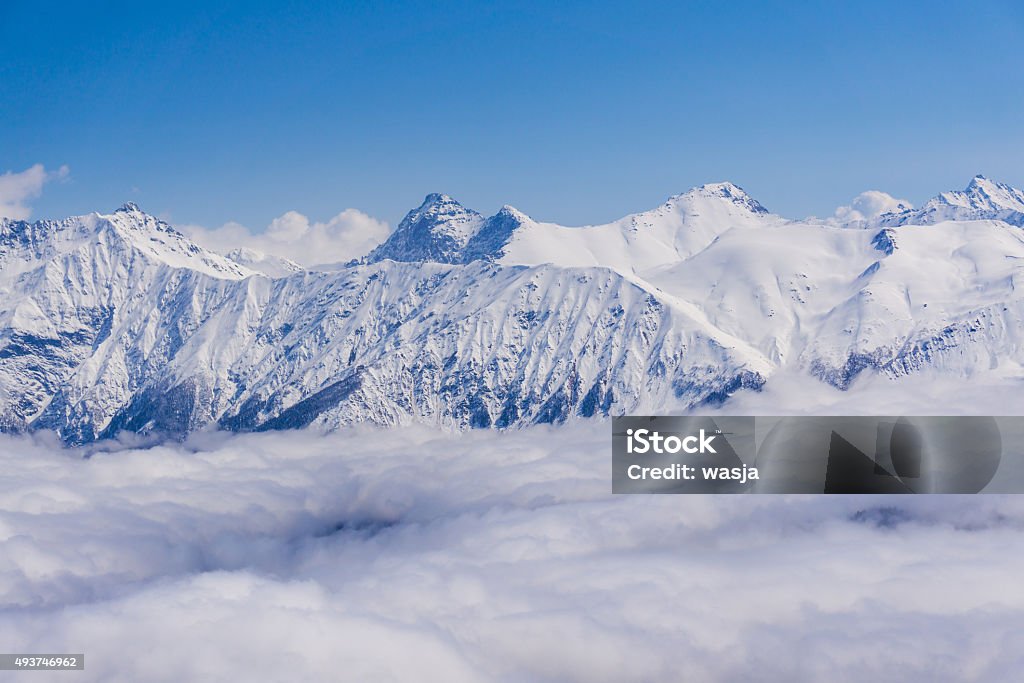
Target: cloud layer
346 236
415 555
868 206
17 189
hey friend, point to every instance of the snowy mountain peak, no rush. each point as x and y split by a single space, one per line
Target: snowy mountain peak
981 185
128 207
982 199
443 231
128 235
724 190
435 198
513 212
267 264
494 235
987 193
159 241
443 207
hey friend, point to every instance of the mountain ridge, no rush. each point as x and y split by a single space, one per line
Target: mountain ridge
118 322
443 230
982 199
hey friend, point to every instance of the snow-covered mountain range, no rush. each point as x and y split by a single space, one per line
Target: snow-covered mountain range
983 199
118 322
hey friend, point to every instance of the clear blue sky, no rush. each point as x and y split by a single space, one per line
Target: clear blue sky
572 111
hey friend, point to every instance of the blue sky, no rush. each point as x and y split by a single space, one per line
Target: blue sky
573 112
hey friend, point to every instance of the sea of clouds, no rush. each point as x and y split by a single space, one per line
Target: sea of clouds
412 554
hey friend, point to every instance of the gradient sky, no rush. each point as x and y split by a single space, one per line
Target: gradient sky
574 112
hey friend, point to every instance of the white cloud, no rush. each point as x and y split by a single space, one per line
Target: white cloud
870 205
346 236
415 555
288 227
16 189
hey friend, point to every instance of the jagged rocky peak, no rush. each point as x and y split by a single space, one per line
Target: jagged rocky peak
129 215
514 213
983 193
437 230
440 202
885 241
446 215
442 230
493 236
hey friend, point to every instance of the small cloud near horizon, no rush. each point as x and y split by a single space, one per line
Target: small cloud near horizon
870 205
292 235
18 189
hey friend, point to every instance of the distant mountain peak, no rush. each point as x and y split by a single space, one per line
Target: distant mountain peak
1004 195
725 187
436 230
440 229
438 203
509 210
724 190
982 199
979 185
127 232
439 198
268 264
246 253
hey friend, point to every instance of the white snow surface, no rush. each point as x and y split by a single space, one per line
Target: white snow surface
679 228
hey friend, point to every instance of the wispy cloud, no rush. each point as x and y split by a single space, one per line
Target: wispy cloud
485 556
868 206
348 235
17 189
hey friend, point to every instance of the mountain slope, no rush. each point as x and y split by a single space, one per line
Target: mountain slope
682 226
466 346
68 287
